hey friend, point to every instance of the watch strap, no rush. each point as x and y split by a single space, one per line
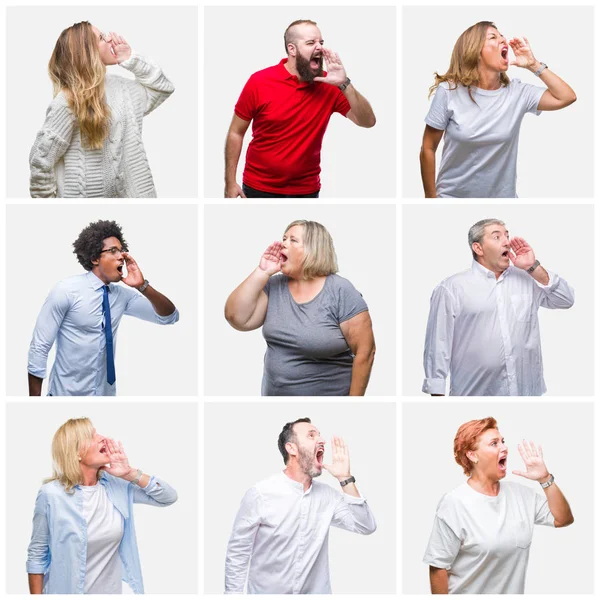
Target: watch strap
534 266
548 483
345 84
347 481
543 66
144 285
137 477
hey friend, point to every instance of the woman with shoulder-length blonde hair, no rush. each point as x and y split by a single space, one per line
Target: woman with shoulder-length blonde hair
483 529
316 324
478 110
91 142
83 539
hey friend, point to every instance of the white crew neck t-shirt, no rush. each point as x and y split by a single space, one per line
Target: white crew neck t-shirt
479 158
483 541
103 571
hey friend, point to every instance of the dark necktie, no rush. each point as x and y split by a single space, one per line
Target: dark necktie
110 353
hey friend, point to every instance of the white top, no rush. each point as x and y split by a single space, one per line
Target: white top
483 541
281 533
479 159
104 532
485 332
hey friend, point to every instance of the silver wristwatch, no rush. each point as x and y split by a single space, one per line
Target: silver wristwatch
137 477
144 285
534 266
539 71
548 483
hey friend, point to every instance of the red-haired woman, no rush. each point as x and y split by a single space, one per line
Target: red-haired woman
483 529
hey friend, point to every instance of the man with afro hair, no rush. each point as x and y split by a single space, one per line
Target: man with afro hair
82 315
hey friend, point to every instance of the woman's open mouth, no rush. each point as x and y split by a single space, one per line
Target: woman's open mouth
283 257
504 53
502 463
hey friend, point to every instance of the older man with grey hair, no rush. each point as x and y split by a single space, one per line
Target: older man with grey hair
483 327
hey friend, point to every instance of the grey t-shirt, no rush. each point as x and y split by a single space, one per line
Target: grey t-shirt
479 159
307 354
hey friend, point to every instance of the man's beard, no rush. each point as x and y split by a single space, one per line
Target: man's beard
307 463
304 69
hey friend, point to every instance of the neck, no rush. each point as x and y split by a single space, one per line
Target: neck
290 65
89 475
490 268
488 79
306 283
97 273
484 484
293 471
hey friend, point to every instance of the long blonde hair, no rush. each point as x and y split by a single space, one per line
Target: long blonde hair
319 252
464 63
76 69
69 443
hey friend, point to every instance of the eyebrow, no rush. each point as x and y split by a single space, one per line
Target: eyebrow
498 231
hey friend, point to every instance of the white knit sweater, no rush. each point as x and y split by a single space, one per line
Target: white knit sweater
61 166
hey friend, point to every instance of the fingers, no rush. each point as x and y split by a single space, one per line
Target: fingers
523 453
241 193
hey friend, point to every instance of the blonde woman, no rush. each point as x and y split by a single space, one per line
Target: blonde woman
480 111
83 539
91 142
316 324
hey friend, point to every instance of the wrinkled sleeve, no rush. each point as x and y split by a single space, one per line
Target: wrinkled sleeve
341 105
438 341
247 103
532 94
152 82
241 542
350 301
46 329
156 493
438 115
353 514
140 307
38 552
50 145
443 546
557 294
543 516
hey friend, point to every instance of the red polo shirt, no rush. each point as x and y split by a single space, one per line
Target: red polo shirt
289 118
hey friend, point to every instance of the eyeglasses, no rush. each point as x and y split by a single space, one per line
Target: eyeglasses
114 251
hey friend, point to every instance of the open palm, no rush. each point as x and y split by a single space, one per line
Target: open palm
270 261
535 467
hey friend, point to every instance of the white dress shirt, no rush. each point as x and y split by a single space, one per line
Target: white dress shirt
485 333
72 316
281 533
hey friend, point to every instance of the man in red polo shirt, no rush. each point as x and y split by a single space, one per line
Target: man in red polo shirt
290 105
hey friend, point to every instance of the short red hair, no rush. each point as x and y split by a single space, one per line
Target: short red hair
466 440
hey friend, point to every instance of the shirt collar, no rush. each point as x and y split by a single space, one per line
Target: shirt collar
95 282
299 487
479 269
287 76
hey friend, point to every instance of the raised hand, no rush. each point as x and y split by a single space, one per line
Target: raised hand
340 460
522 255
535 467
115 454
523 54
121 49
134 275
336 74
270 261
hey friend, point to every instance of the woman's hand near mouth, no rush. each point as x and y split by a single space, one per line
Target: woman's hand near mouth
535 467
523 54
120 48
271 260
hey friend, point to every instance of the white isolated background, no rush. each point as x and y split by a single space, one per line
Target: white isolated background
236 236
244 437
434 244
168 35
556 148
151 359
561 561
159 438
241 40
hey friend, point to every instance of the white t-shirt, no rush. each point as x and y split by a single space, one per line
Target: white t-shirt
104 532
479 159
483 541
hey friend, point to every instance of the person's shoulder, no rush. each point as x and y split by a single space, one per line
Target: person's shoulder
518 489
451 282
277 282
52 489
59 107
453 499
266 73
339 283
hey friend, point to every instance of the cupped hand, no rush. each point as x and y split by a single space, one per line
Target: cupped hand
121 49
523 53
336 74
535 467
134 274
271 261
522 255
340 460
115 454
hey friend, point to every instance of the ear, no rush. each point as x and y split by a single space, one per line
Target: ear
476 247
95 261
291 50
471 455
291 448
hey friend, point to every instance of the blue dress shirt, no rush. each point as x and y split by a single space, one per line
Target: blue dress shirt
58 547
72 316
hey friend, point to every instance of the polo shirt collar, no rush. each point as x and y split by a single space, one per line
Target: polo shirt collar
287 76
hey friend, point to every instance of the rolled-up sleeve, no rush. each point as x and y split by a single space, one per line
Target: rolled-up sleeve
140 307
46 329
353 514
157 493
241 542
438 341
557 294
38 552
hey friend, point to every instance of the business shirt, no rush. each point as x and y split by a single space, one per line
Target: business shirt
58 546
73 316
485 333
281 532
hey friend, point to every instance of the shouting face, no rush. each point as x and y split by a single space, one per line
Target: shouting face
310 448
109 265
494 54
308 50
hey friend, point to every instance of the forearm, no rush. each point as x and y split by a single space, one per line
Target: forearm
36 583
439 580
361 371
558 505
427 159
233 149
361 109
35 385
161 304
350 488
560 89
132 474
242 302
541 275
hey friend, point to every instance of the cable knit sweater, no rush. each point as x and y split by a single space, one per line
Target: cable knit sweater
120 168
